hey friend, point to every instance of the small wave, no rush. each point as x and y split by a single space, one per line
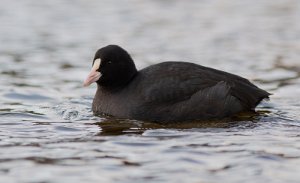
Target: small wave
75 109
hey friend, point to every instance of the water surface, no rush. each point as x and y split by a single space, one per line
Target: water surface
47 130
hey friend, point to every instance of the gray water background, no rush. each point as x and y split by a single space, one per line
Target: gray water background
47 130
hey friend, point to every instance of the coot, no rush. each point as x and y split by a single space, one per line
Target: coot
168 91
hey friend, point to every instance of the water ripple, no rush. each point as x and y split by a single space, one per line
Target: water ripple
47 129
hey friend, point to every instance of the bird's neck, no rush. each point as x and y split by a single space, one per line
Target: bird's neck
119 82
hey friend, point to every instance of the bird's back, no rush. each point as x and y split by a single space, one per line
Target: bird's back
175 91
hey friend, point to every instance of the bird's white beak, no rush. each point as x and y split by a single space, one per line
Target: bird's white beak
94 74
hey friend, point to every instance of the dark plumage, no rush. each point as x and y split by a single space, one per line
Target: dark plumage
168 91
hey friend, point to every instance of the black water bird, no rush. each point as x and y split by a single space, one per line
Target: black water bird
168 91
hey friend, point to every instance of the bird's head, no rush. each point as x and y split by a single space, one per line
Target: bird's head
112 67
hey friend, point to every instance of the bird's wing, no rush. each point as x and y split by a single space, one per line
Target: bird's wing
173 85
179 81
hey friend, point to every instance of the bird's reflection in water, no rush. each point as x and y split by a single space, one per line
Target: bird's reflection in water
113 126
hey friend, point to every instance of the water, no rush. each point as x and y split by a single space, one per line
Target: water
47 130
